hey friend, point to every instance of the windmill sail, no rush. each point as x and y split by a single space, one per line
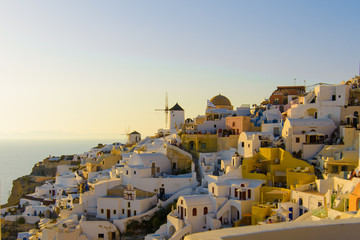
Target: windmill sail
166 109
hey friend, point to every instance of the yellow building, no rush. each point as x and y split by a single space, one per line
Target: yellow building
270 197
199 143
278 168
339 160
180 160
103 162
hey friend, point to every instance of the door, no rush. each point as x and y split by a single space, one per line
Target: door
153 169
162 193
129 213
291 213
108 213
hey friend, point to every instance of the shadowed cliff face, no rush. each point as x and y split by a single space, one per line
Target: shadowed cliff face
40 173
22 186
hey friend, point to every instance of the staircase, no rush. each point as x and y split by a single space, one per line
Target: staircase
198 170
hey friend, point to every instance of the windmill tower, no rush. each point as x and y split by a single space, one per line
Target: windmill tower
166 109
177 117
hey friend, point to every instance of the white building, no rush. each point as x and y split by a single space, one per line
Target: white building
307 135
250 142
225 203
123 202
323 102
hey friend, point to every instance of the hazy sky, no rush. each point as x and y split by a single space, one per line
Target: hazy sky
94 68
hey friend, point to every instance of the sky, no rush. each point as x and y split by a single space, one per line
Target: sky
90 69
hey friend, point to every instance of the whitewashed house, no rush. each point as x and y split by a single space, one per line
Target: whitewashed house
307 136
249 143
225 203
123 202
152 172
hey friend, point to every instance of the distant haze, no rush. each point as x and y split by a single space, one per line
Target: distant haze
90 69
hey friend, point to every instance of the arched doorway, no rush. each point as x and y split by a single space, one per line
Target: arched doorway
171 231
192 145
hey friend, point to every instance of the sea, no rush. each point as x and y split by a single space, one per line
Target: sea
18 156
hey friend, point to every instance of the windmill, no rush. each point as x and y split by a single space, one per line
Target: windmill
127 133
166 109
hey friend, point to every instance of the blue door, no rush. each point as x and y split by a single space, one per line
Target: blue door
291 213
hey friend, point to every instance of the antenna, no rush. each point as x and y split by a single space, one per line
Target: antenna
166 109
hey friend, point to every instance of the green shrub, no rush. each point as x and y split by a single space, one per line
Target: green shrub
132 226
21 220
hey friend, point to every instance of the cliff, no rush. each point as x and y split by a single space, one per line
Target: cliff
48 168
41 172
22 186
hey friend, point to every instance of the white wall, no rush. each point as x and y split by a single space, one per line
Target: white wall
177 119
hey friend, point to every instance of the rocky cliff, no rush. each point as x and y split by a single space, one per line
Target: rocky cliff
41 172
22 186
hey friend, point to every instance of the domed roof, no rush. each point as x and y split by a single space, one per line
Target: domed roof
221 100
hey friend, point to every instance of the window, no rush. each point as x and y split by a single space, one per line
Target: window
214 125
300 201
134 172
203 145
134 212
127 172
158 169
339 96
297 139
242 144
100 235
128 204
236 192
205 210
212 189
248 145
334 169
344 168
334 97
123 211
114 211
194 212
102 210
276 131
319 204
181 202
249 193
229 191
185 212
